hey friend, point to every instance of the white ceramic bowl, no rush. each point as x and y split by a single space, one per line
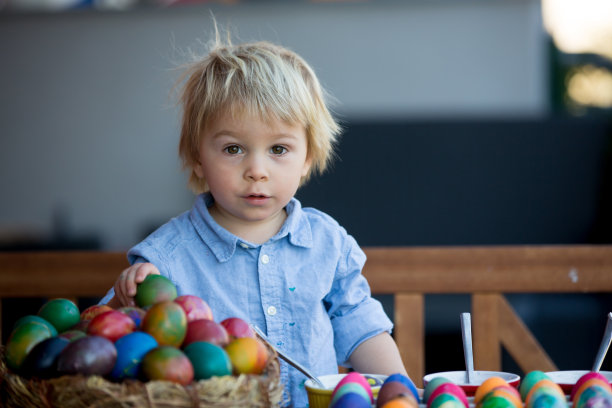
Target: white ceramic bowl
567 378
460 378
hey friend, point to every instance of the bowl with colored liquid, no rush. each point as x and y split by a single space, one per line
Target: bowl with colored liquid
567 378
321 397
460 378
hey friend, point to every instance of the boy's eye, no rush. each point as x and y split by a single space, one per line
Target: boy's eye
278 149
233 149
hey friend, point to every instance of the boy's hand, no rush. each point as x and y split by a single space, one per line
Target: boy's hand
126 283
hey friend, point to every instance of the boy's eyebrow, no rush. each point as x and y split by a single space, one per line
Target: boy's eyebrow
228 132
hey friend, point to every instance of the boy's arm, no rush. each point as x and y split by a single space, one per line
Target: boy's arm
377 355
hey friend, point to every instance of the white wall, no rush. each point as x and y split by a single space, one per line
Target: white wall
88 127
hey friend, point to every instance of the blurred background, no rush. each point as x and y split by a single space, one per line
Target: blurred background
466 123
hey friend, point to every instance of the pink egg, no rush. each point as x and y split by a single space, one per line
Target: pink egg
450 388
585 378
355 377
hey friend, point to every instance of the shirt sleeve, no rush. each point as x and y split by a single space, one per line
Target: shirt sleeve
354 314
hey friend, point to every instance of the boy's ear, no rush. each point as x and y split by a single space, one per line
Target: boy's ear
197 169
307 166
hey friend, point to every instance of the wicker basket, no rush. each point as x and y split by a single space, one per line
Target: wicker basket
79 391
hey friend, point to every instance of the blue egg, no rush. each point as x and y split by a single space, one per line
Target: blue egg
406 381
131 348
347 388
352 400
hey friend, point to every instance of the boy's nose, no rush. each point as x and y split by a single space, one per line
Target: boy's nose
256 170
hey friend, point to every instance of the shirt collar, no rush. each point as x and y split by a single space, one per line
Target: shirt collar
223 243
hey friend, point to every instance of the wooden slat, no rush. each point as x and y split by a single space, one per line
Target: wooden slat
512 269
520 342
47 274
409 333
485 318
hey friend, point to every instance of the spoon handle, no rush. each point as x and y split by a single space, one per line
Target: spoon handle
466 333
605 344
288 359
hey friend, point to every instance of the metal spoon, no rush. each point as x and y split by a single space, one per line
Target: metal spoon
605 344
466 334
289 359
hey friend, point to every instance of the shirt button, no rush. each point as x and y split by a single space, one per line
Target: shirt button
245 246
265 259
271 310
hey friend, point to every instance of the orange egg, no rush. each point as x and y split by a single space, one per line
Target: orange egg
545 383
401 402
248 355
486 386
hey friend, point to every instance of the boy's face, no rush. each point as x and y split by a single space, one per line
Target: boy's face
253 168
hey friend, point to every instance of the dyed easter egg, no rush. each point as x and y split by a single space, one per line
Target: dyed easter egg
432 385
81 326
61 313
407 382
450 388
112 325
357 378
131 349
166 321
497 402
167 363
195 307
543 386
236 328
154 289
248 355
206 330
90 355
41 361
406 402
352 400
72 334
22 340
594 391
548 401
391 390
579 389
443 400
486 386
349 387
94 310
35 318
583 379
208 360
598 401
530 379
135 313
507 392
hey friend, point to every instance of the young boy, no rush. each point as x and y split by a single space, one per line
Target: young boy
255 127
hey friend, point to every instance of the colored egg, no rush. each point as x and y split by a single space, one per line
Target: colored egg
349 387
437 401
432 385
166 321
72 334
167 363
237 327
578 389
594 391
206 330
352 400
22 340
450 403
35 318
135 313
407 382
497 402
154 289
450 388
358 378
93 311
391 390
548 401
208 360
41 361
544 386
486 386
599 401
112 325
61 313
90 355
195 307
131 349
530 379
583 379
81 326
248 355
507 392
405 402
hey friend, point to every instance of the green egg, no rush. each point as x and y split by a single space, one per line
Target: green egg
22 341
154 289
497 401
208 360
432 385
34 318
529 381
61 313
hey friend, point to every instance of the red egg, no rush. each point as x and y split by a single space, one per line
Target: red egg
93 311
195 308
450 388
111 325
206 330
355 377
236 328
167 363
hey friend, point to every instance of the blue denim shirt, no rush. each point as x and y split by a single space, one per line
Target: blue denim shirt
303 287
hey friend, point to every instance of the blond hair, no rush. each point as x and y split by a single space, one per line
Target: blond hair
261 79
